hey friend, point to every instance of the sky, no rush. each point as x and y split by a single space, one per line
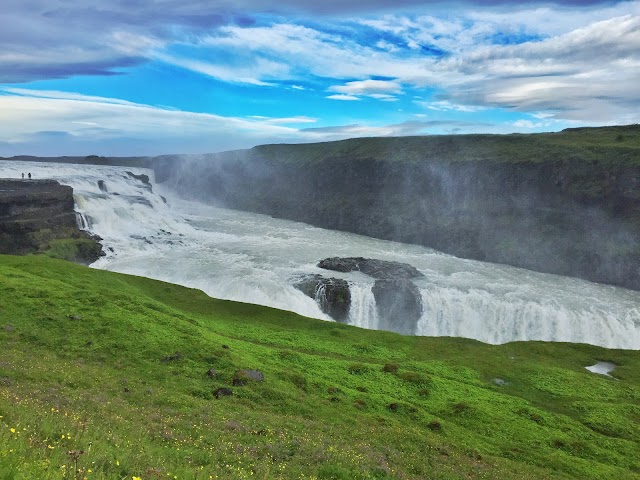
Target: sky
149 77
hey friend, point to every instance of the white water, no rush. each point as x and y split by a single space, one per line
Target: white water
252 258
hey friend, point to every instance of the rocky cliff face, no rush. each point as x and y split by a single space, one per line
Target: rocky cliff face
38 216
566 203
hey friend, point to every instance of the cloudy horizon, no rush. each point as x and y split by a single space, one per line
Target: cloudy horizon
147 78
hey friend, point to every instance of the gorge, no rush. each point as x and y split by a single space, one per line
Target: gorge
151 230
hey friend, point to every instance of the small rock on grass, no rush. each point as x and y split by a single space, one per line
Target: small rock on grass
223 392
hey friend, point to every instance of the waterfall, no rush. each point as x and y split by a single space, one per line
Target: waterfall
363 312
252 258
492 319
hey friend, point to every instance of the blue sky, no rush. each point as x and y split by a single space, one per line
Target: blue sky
114 77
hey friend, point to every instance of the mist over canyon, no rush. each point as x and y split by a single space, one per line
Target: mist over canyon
184 223
566 203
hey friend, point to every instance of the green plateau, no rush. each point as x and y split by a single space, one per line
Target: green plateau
110 376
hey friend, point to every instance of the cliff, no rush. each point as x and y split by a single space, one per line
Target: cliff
37 216
565 203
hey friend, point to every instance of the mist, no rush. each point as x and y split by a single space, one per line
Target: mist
565 216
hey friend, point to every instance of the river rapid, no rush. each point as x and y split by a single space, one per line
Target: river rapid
254 258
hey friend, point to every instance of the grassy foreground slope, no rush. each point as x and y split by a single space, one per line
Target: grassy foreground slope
104 375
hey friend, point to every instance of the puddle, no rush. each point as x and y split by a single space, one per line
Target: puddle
602 368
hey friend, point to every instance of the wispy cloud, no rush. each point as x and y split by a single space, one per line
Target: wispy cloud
348 98
94 119
379 89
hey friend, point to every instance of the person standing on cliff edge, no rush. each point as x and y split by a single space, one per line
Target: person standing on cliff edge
29 175
23 176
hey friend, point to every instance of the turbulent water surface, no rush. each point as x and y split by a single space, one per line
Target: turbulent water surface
253 258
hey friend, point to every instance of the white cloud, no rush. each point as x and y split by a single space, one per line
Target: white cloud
526 124
248 74
367 87
284 120
89 118
348 98
446 106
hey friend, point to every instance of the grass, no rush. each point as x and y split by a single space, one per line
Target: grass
105 376
619 145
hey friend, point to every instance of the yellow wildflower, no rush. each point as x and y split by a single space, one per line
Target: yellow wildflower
12 430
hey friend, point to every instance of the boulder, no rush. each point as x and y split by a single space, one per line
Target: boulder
242 377
399 305
102 186
142 178
372 267
223 392
331 294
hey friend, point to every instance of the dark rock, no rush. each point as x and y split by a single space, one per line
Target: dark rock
223 392
372 267
242 377
239 382
142 178
226 347
5 382
399 305
331 294
394 407
211 373
139 199
102 186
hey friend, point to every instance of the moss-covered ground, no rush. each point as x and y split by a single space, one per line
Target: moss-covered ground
104 376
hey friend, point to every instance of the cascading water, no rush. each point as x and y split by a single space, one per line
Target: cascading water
252 258
363 312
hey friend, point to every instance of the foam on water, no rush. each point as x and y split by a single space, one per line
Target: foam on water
252 258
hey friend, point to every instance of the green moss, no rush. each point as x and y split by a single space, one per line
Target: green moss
73 249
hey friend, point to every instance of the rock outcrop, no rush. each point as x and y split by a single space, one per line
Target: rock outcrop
142 178
332 294
398 299
38 216
372 267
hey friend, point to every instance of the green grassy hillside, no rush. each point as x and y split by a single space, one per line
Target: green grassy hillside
104 376
619 145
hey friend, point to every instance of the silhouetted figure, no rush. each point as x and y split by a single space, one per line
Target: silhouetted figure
29 175
23 176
